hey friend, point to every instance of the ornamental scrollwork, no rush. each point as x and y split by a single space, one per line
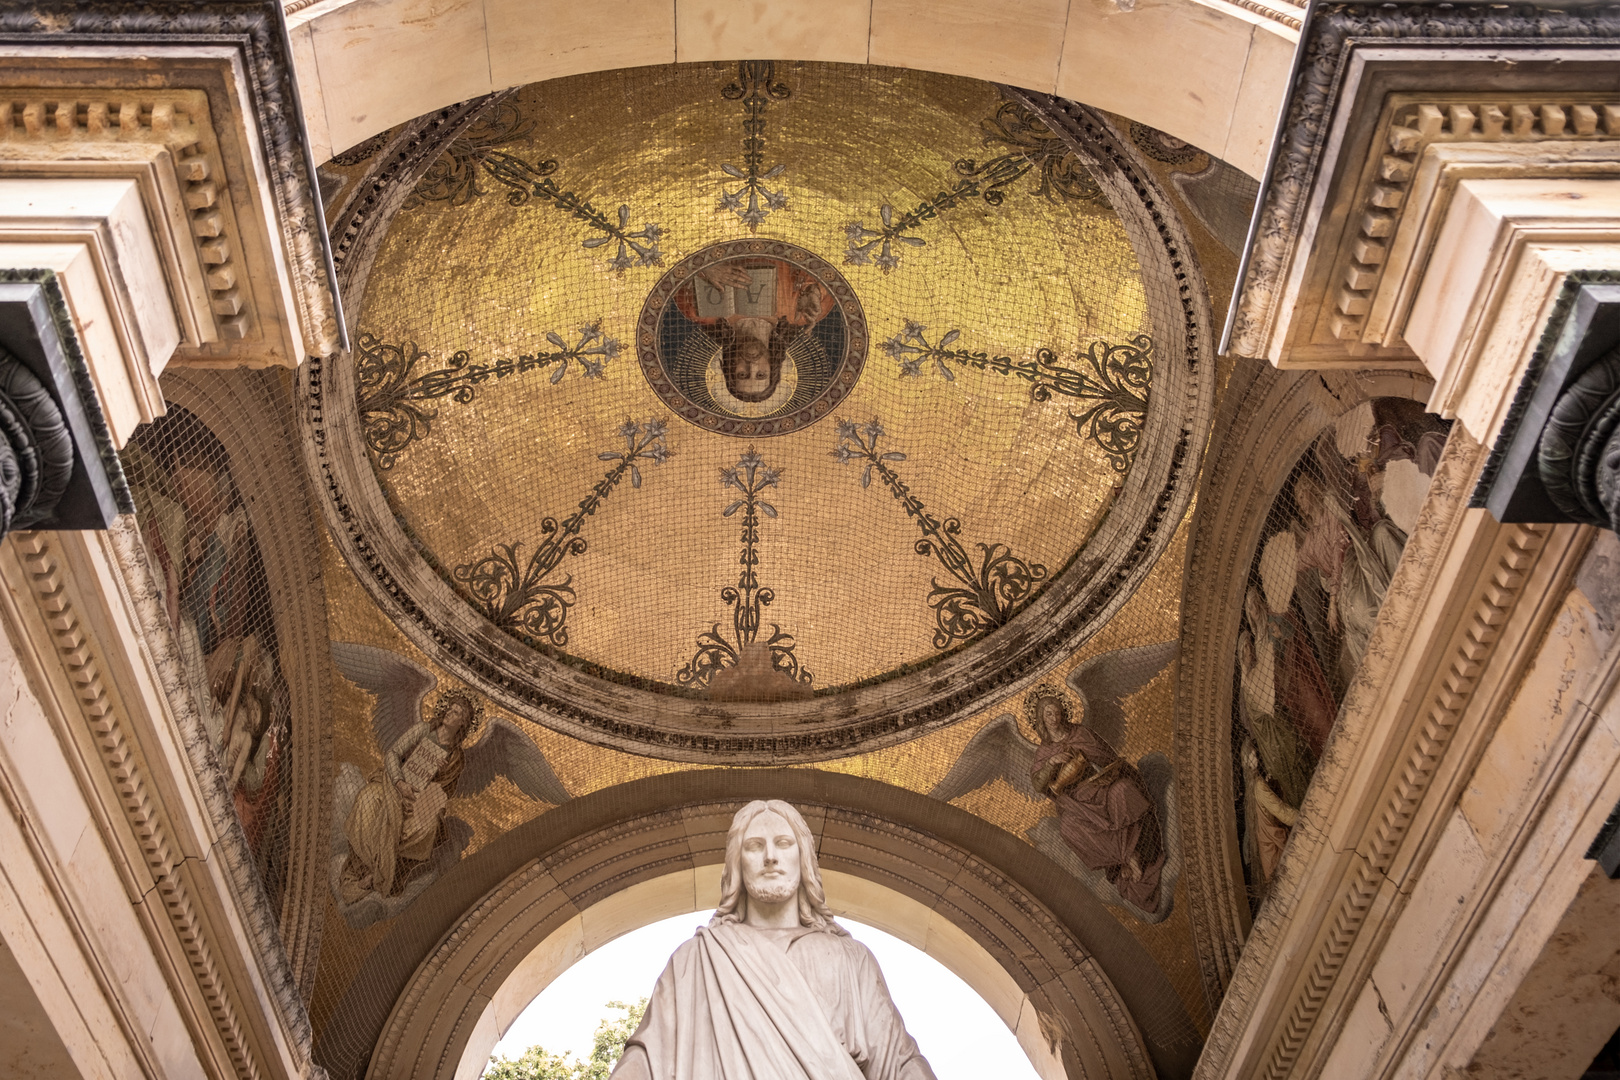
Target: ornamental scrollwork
989 588
390 396
1111 379
753 201
1032 145
637 247
751 477
453 178
525 599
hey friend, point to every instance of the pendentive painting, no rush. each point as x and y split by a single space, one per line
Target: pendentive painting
1332 539
203 551
752 338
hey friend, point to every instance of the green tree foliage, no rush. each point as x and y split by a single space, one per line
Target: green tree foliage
538 1063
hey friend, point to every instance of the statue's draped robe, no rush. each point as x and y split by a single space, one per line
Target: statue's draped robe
739 1003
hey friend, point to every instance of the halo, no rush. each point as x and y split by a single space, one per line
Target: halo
715 380
1032 707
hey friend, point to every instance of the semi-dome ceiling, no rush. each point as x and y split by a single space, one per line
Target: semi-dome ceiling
768 408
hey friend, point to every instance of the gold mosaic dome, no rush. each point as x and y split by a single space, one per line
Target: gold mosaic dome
767 410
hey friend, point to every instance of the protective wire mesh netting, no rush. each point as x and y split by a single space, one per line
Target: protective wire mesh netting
1330 544
510 327
550 483
205 552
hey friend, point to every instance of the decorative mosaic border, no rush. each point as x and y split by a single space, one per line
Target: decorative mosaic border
626 715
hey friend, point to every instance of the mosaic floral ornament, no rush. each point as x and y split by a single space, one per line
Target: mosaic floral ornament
453 180
748 599
1033 145
524 600
389 395
752 201
1114 380
990 588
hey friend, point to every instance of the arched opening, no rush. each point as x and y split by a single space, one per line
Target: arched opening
1051 960
862 901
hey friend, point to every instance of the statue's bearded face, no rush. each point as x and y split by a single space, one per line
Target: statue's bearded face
770 859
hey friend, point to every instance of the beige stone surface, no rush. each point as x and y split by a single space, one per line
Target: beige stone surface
107 214
834 30
96 235
1509 770
1501 254
561 950
311 94
1259 99
531 41
65 912
1556 1022
640 904
29 1045
1210 74
1018 42
1438 899
379 63
1175 66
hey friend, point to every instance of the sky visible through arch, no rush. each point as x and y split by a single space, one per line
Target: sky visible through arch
958 1032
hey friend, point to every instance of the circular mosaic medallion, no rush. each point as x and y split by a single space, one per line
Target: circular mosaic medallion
752 338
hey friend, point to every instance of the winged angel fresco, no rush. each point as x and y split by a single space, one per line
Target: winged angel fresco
1115 825
392 834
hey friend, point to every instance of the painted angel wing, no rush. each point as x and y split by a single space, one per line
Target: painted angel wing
1107 679
398 684
506 751
998 751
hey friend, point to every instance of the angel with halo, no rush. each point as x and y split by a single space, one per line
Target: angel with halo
395 835
1115 822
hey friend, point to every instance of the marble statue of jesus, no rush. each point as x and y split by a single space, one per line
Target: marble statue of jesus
772 988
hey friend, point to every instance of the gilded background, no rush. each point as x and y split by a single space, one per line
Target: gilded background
466 270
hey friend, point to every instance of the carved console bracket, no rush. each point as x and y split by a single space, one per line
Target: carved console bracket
58 469
1558 457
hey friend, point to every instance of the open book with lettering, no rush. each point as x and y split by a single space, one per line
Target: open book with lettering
424 764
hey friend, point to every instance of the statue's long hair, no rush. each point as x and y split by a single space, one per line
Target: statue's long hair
812 897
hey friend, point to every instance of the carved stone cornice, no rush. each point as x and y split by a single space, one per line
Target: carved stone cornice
1288 13
165 138
1459 622
202 912
1382 94
135 72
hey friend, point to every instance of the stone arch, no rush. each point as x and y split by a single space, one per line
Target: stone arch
1085 982
1207 73
1266 421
